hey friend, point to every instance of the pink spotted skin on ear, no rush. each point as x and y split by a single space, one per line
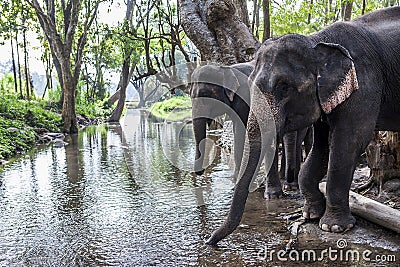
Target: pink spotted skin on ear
344 90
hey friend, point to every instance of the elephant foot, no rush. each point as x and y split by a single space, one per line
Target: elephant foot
313 209
273 192
293 186
336 221
199 172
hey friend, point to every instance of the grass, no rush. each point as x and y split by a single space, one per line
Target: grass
96 109
20 123
173 109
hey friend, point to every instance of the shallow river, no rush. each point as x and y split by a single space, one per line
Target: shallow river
123 196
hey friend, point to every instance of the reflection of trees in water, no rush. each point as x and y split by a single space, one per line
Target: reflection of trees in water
74 191
148 145
126 151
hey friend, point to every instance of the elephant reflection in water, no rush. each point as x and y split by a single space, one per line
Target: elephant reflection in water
219 90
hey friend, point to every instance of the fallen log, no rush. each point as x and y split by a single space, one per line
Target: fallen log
371 210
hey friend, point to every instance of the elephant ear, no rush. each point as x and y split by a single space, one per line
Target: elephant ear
337 78
230 82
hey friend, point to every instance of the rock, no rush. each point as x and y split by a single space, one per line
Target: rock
12 129
56 135
392 186
59 143
40 130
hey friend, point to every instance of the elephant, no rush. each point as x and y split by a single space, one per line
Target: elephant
344 80
231 96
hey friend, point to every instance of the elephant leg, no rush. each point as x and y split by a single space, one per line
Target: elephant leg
308 140
345 150
239 139
299 154
290 147
273 187
312 172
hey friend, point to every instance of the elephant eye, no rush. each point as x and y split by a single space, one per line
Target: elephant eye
282 89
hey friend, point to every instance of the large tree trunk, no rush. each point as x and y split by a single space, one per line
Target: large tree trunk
69 101
117 112
219 29
126 71
267 20
347 8
62 48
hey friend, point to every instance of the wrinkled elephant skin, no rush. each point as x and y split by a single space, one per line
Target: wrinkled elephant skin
345 80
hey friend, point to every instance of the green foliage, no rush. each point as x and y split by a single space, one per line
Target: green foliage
7 83
88 107
19 121
32 113
84 105
54 96
96 109
302 17
175 109
14 137
22 120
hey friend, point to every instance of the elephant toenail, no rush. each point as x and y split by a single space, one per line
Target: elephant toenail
349 226
336 228
305 215
325 227
314 216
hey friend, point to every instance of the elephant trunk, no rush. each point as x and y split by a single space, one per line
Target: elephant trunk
290 144
199 128
250 163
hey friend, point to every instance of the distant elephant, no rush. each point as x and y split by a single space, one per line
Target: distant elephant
345 80
232 96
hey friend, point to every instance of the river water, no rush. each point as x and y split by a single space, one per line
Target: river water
122 195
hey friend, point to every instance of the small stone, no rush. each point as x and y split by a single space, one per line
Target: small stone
55 135
244 226
13 129
59 143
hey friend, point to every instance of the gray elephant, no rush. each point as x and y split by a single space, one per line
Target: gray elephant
218 90
345 80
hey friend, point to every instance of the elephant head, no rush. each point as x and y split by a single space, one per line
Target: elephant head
300 80
303 79
213 92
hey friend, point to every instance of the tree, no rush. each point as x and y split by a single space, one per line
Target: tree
155 39
66 47
219 29
146 90
14 19
347 7
267 20
127 69
102 57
